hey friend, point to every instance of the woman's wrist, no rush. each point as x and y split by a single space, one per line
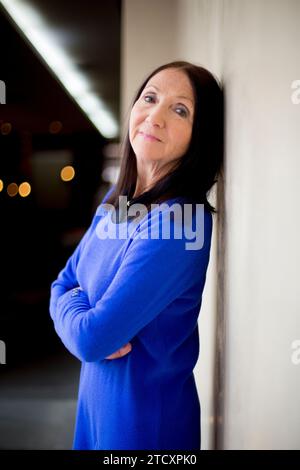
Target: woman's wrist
76 293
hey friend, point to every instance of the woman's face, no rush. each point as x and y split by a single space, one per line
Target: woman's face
161 120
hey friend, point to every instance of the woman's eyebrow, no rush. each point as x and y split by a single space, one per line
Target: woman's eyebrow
181 96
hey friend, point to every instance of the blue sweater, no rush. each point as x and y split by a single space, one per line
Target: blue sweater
148 292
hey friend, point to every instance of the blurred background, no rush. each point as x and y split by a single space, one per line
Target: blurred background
59 130
68 73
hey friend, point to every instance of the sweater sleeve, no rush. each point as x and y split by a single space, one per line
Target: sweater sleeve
67 279
153 273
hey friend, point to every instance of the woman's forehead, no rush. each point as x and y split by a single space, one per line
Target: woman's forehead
172 81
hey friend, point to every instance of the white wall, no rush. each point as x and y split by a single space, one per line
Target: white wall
253 46
261 59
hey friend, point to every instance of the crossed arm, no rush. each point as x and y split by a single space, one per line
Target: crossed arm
153 273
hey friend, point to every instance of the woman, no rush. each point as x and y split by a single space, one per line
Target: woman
127 307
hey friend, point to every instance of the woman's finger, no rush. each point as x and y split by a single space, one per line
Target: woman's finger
121 352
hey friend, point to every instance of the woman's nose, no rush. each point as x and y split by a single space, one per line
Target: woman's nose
156 116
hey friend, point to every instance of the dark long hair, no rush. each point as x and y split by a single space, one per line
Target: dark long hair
198 169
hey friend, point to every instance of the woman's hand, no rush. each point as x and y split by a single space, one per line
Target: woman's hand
121 352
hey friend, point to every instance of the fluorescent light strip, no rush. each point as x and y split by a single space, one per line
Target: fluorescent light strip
44 41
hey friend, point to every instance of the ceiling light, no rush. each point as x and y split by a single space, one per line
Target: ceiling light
34 27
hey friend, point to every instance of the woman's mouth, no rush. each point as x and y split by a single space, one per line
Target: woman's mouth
149 137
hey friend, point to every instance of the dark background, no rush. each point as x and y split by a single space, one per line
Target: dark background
42 129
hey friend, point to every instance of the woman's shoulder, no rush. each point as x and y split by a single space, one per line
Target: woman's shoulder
180 221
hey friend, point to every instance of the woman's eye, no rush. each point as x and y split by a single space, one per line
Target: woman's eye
148 98
182 112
